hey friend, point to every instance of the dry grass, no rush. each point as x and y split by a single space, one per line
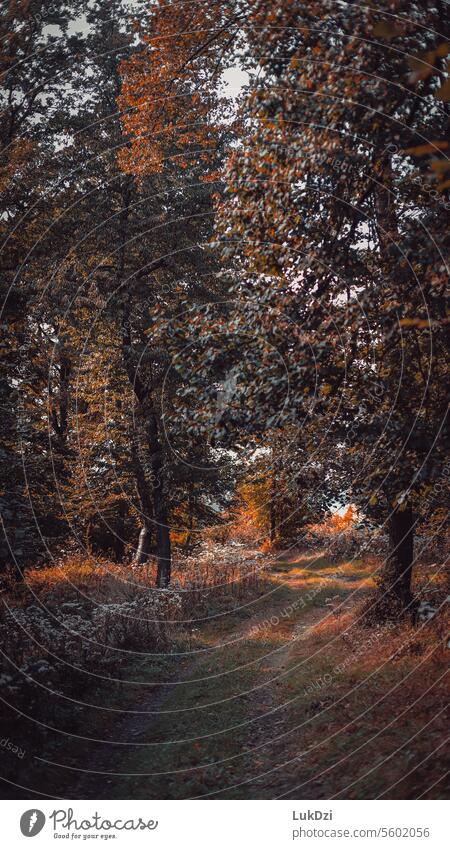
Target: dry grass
214 571
372 704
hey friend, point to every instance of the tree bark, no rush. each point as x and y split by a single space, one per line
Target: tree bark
59 422
272 501
143 550
163 550
160 516
153 443
395 583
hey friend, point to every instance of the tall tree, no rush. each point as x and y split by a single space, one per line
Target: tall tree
35 69
169 108
323 200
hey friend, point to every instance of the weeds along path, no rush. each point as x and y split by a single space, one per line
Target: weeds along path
212 729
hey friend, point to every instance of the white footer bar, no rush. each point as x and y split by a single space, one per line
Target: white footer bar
225 824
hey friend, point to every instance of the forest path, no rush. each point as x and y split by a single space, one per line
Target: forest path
220 725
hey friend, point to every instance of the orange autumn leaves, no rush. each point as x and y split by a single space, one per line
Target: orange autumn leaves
168 99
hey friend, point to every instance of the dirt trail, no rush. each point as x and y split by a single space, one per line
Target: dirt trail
284 695
213 729
269 701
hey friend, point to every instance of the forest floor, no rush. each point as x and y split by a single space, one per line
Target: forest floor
287 696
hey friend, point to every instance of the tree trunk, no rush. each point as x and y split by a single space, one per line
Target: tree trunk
163 553
272 505
396 576
154 509
187 544
143 550
159 506
119 534
143 391
59 411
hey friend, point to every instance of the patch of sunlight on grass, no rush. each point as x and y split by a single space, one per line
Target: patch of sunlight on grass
307 561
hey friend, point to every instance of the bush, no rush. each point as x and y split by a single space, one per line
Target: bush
40 642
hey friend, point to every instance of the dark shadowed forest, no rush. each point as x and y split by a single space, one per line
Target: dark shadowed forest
224 468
